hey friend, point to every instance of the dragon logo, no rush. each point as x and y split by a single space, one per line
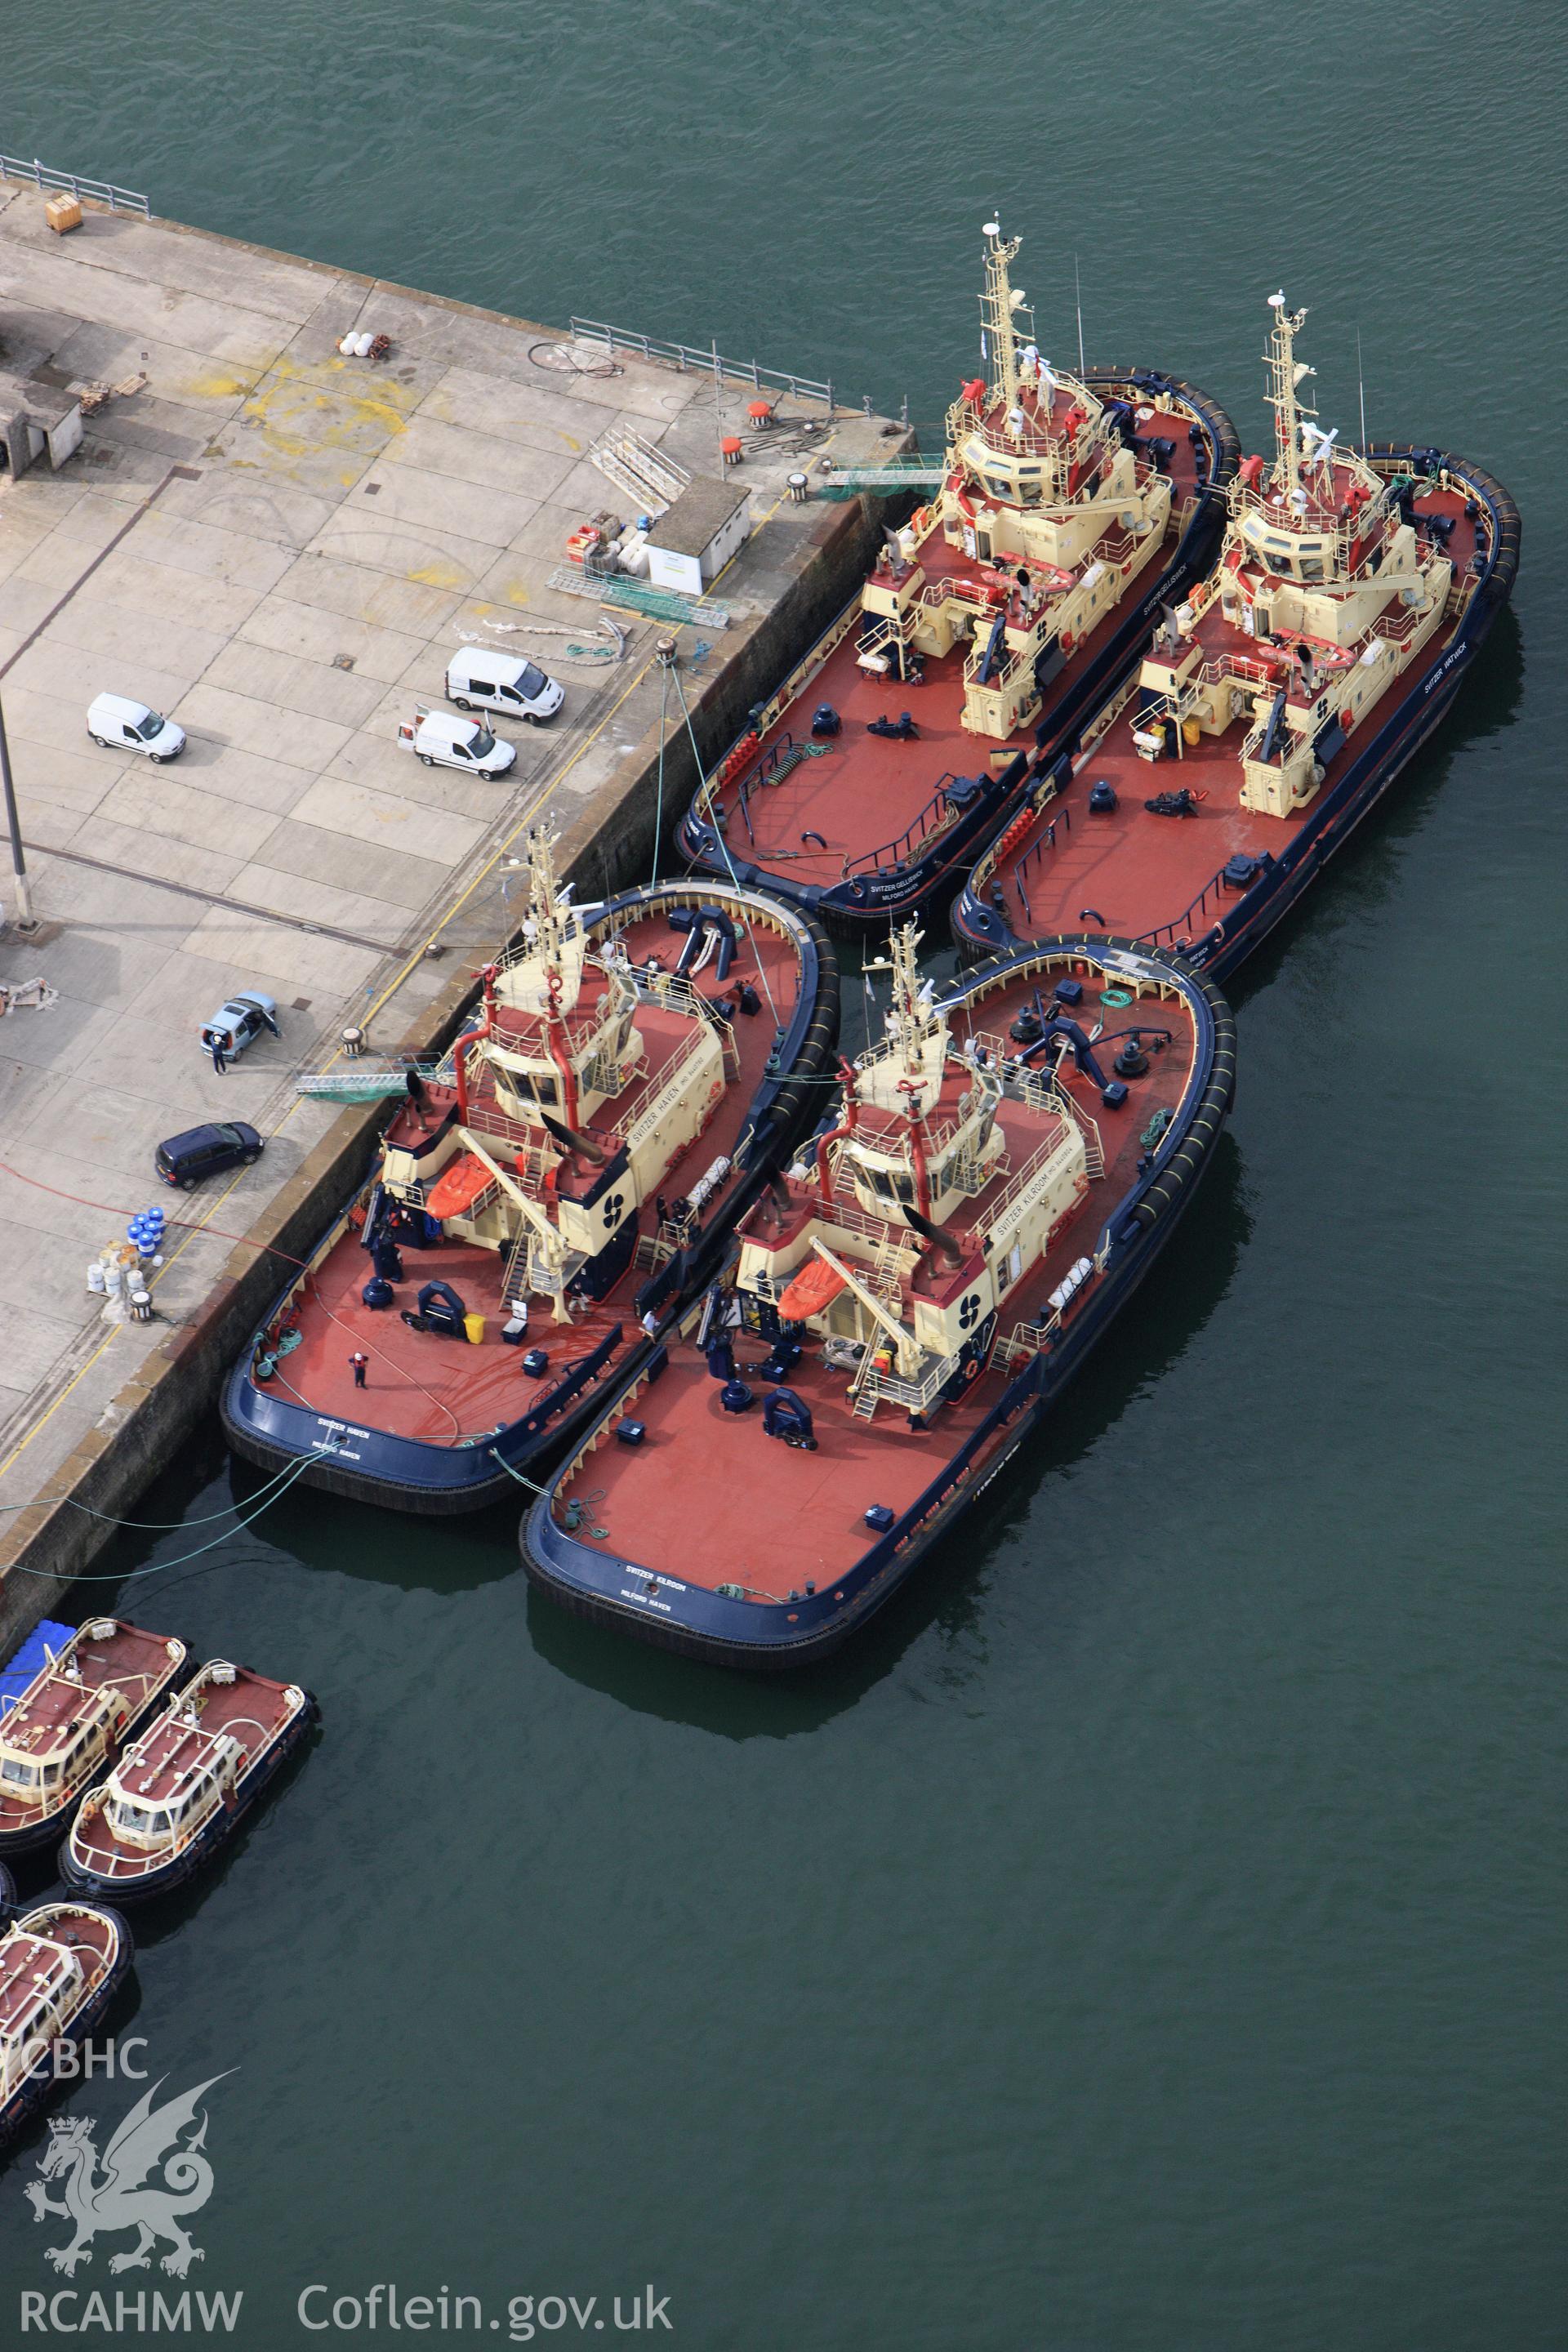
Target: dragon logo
122 2195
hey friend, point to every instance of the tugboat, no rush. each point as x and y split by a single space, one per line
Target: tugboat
1276 706
60 1966
181 1791
546 1195
1000 1174
65 1730
1072 509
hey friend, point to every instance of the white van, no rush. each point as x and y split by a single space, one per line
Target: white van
442 741
478 678
113 720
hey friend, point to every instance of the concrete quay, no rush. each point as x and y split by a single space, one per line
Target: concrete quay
281 548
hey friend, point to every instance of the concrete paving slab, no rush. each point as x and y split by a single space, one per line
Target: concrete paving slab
337 804
313 688
305 898
303 959
36 1340
136 637
335 586
242 500
24 600
489 516
48 824
236 558
244 723
137 851
113 298
153 800
531 415
317 635
131 581
210 764
69 778
167 256
389 876
406 551
93 353
458 451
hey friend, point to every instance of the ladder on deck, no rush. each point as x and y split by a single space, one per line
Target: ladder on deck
644 473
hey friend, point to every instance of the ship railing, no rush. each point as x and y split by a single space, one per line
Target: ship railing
688 358
1097 733
1179 932
918 1395
937 817
669 1078
95 191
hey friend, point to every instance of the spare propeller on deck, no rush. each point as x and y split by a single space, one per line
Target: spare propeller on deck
583 1145
934 1235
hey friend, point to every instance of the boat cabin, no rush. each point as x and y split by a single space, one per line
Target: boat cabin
66 1723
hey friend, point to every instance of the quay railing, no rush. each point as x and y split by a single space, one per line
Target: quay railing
687 357
95 191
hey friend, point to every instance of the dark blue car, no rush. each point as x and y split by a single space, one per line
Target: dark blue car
184 1159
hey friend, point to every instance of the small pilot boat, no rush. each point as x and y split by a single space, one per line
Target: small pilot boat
997 1177
181 1791
1068 512
546 1195
65 1730
62 1965
1276 704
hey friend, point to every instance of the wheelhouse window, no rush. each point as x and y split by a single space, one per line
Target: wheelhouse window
18 1775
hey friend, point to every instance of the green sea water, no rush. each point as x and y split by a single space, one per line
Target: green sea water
1151 1935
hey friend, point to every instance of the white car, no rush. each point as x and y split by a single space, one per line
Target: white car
478 678
113 720
442 741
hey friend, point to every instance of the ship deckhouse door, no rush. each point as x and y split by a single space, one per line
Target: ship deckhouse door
1013 1266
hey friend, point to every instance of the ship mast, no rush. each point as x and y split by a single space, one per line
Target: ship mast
998 305
552 921
1286 373
909 1023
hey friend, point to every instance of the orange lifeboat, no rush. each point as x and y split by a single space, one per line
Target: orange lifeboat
458 1187
814 1287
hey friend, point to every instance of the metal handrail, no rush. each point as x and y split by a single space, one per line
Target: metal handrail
97 191
896 852
685 355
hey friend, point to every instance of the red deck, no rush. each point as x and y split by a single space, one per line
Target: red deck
1132 872
420 1384
251 1709
864 792
709 1498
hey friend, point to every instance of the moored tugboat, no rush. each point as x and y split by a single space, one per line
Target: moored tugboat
1000 1174
547 1195
1071 510
183 1788
1276 705
67 1727
62 1965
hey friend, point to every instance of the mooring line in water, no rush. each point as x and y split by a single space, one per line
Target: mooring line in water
133 1575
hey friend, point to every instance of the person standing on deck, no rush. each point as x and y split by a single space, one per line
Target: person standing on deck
359 1359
